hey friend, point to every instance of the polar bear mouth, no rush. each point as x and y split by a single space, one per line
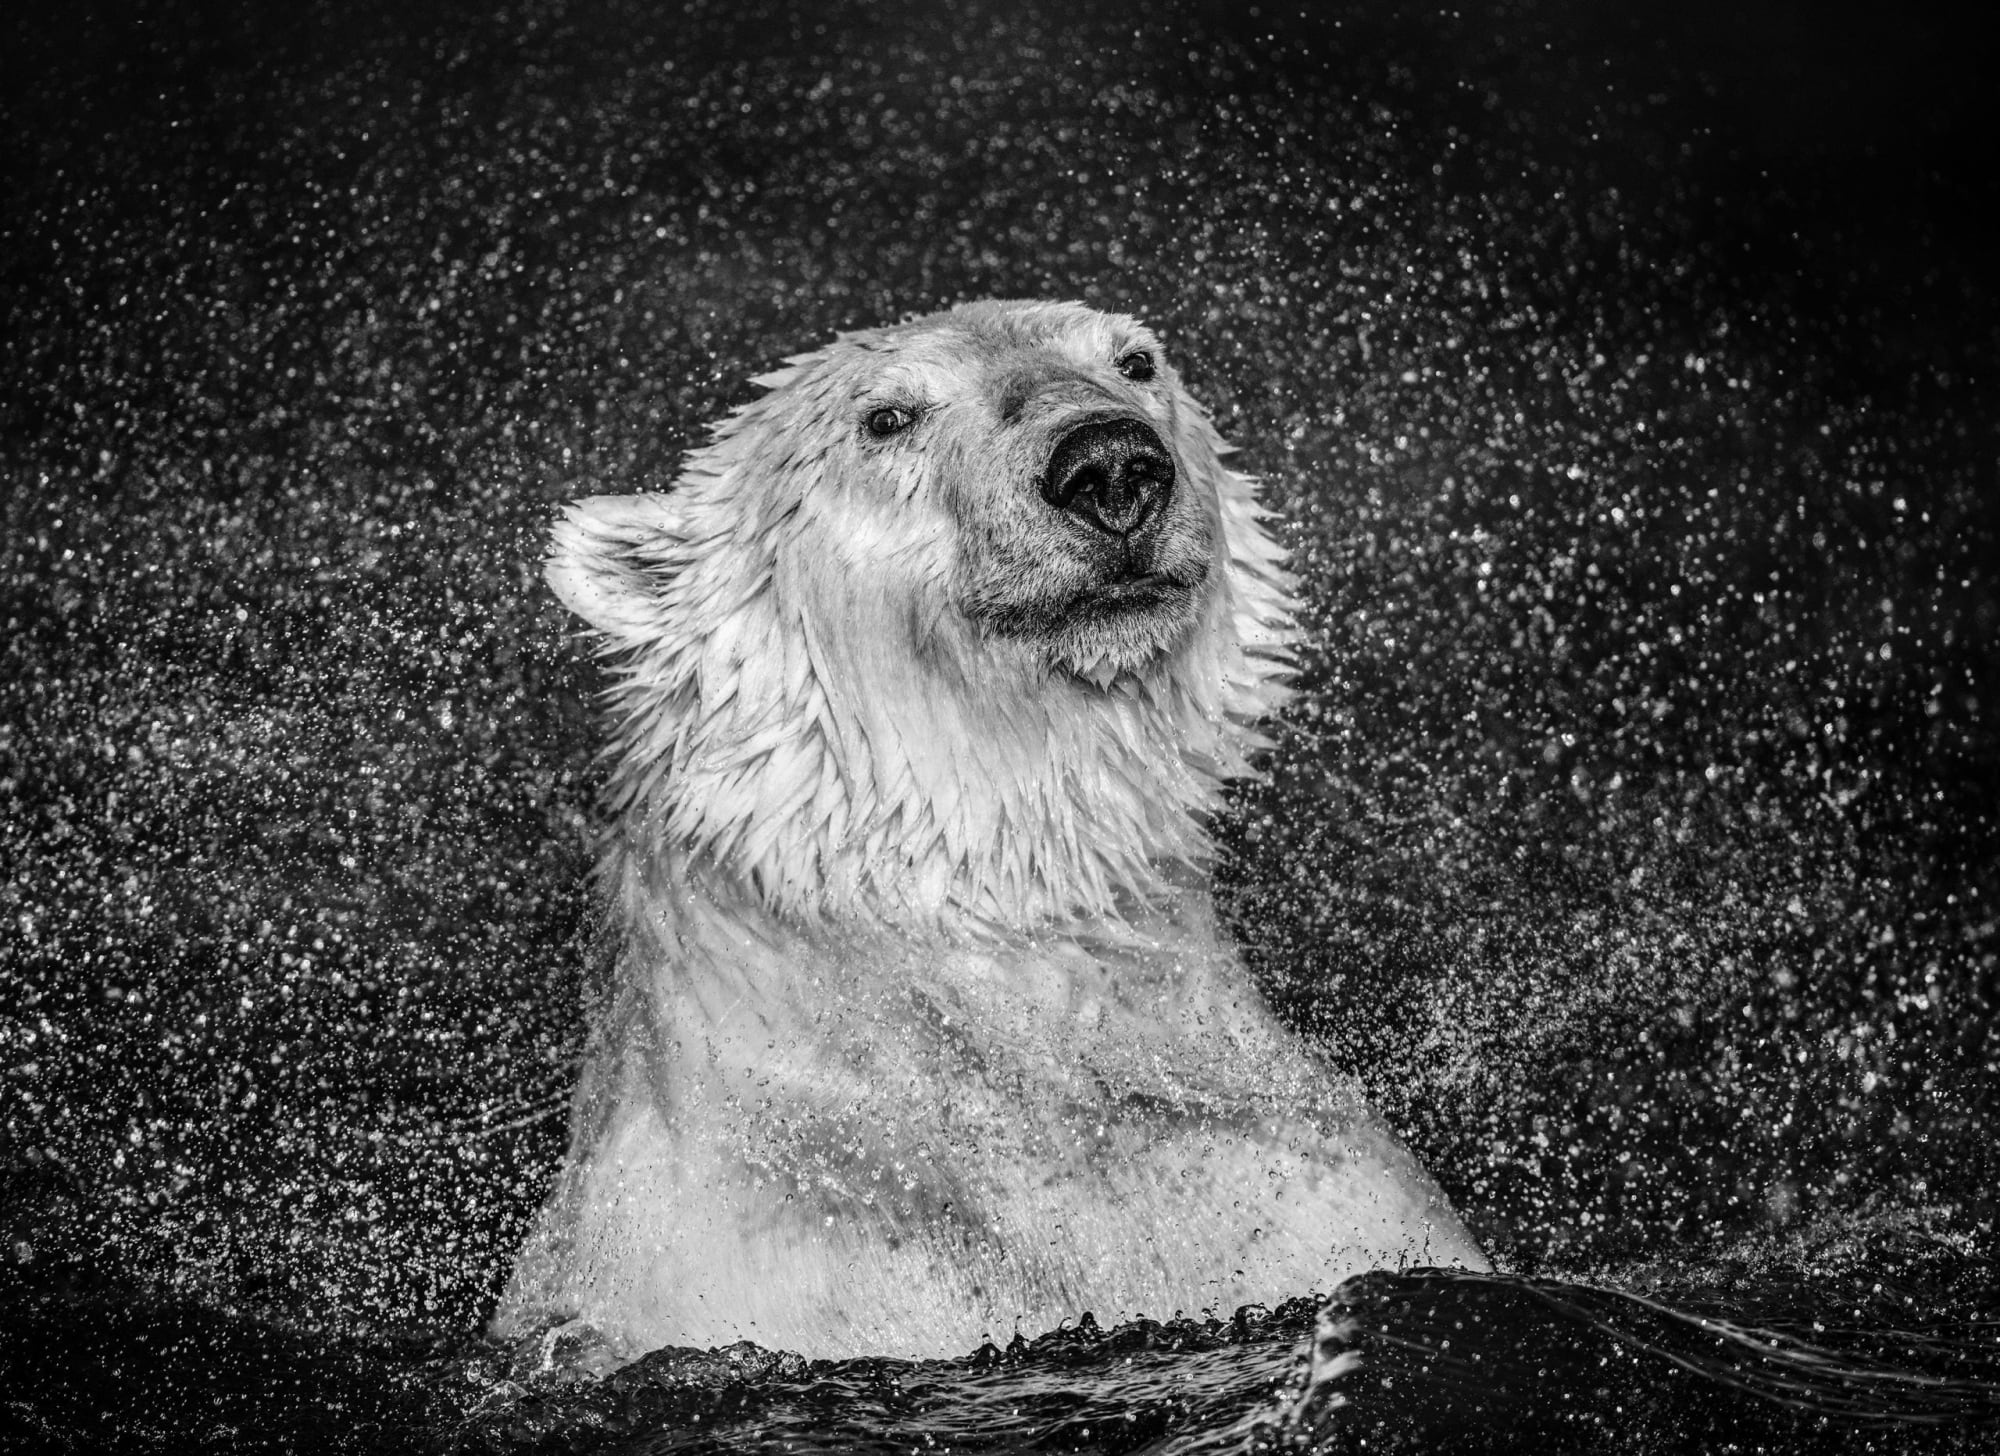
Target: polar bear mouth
1142 591
1144 587
1133 598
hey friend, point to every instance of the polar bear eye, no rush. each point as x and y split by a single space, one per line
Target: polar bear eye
889 420
1137 366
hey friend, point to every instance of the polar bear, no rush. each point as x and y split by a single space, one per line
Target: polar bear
921 1030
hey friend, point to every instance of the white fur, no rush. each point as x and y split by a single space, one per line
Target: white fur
920 1024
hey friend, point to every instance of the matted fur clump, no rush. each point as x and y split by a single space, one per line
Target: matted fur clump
920 1030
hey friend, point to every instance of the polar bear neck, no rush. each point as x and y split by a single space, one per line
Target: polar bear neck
1060 801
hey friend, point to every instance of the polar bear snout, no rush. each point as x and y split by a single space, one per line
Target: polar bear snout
1113 474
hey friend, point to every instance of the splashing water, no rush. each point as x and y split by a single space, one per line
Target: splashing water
1633 842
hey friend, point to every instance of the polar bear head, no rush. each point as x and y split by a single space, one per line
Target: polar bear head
961 624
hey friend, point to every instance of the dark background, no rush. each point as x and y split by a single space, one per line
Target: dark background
1625 374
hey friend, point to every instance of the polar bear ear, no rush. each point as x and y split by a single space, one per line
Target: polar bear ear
608 555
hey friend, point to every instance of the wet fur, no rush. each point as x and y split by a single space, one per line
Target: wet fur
920 1023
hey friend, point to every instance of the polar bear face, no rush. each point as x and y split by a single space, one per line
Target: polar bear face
1041 454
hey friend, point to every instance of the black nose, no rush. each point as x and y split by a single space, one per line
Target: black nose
1112 473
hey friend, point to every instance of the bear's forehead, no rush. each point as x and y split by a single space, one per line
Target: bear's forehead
975 340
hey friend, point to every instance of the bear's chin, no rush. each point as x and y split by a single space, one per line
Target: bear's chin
1123 629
